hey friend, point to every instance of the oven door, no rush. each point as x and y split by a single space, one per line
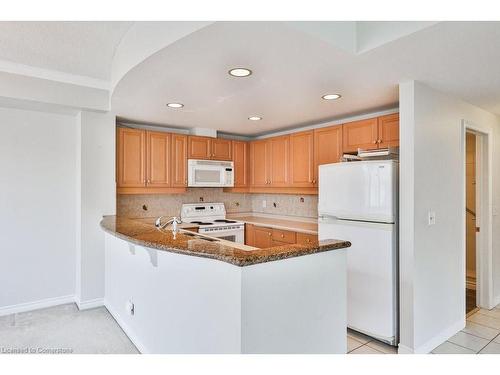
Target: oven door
233 235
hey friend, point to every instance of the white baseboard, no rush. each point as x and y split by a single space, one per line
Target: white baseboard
403 349
90 304
496 301
36 305
140 347
435 341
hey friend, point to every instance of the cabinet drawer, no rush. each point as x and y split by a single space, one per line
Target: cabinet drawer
306 238
279 243
283 236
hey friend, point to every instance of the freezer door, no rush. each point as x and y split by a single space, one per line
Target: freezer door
372 305
365 190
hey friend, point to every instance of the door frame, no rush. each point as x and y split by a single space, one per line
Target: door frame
484 212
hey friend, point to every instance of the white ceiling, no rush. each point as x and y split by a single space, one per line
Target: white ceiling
79 48
292 69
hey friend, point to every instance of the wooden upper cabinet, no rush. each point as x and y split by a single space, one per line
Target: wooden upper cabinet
279 161
327 147
259 163
388 131
159 156
209 148
199 147
131 153
221 149
360 134
240 158
179 160
302 159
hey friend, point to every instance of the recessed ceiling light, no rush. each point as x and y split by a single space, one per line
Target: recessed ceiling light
331 96
175 105
240 72
255 118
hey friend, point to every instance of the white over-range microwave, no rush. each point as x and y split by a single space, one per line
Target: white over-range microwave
210 173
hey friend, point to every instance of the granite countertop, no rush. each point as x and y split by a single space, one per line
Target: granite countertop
143 232
277 223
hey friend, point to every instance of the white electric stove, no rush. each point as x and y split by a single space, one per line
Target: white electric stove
211 218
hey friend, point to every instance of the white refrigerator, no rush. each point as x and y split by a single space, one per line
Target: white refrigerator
358 202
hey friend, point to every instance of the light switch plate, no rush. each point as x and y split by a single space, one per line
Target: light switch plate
432 218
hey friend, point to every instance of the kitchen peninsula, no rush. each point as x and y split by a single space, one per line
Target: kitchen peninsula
182 292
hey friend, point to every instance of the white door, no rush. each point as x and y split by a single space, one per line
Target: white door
371 275
365 190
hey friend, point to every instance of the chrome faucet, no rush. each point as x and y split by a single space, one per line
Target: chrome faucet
174 221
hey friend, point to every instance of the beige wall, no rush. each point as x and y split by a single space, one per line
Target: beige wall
169 205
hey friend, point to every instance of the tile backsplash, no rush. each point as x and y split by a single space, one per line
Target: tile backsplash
169 205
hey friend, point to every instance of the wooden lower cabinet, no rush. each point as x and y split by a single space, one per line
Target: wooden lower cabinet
262 237
285 236
249 234
306 238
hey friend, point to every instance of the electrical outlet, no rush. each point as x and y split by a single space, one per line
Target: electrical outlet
264 204
432 218
130 307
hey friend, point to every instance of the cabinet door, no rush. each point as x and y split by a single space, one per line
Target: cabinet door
249 234
131 154
199 147
306 238
179 160
159 157
302 159
259 163
221 149
279 160
388 131
360 134
240 159
262 237
327 147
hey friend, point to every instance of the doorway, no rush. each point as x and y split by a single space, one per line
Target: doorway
477 250
470 223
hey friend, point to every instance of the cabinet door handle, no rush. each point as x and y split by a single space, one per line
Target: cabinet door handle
270 233
282 235
375 142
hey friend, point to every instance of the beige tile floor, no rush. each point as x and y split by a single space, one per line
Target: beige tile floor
480 336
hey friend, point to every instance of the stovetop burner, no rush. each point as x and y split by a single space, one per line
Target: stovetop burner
225 221
200 223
